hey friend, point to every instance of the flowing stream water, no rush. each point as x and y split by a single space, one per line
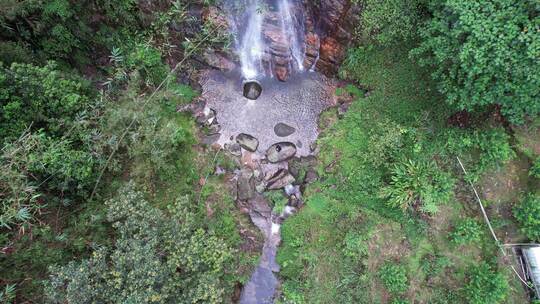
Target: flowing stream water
247 19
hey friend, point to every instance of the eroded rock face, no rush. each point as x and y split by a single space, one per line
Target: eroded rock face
336 20
246 185
279 56
218 61
279 179
313 44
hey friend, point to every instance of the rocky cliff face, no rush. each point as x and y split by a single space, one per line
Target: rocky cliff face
334 22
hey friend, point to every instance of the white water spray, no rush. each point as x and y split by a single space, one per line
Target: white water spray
247 20
291 30
252 47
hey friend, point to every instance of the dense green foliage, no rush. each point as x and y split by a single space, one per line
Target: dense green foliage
157 258
392 148
67 147
535 169
467 231
394 277
106 196
485 286
528 215
47 124
487 148
390 21
485 53
420 183
65 30
41 98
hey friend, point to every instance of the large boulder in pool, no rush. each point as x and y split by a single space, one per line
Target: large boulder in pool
280 152
283 130
252 89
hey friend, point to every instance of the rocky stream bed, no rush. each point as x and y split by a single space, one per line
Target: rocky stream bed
274 139
261 104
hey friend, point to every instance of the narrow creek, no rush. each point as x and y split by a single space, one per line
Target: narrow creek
265 111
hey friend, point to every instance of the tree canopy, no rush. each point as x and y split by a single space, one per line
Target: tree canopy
485 53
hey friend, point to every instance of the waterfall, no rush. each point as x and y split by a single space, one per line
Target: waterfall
292 30
252 47
247 22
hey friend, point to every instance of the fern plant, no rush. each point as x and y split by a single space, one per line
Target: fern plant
419 183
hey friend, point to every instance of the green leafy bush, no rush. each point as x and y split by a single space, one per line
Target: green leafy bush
485 53
418 182
394 277
535 169
278 200
467 231
41 97
355 245
11 52
160 139
389 21
487 149
485 285
158 258
434 264
528 215
47 126
67 30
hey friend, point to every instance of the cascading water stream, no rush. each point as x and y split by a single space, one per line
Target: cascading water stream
247 23
252 46
266 33
291 30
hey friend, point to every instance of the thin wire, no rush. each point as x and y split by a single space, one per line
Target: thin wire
486 218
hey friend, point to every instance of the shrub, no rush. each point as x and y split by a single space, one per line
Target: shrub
433 264
355 245
388 21
485 285
467 231
11 52
484 53
528 215
491 148
535 169
67 30
394 277
158 258
418 181
41 97
159 142
278 201
48 125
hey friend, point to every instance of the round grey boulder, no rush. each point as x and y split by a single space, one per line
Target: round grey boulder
283 130
280 152
247 142
252 89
